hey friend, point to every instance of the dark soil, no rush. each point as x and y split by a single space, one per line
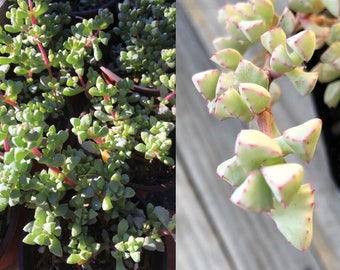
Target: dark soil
153 181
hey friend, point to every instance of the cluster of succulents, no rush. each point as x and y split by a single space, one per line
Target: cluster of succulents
326 30
66 162
247 90
147 32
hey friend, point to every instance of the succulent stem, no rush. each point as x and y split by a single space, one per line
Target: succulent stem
90 40
41 47
67 179
6 145
266 123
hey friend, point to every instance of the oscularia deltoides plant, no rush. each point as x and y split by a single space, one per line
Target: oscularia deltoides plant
264 180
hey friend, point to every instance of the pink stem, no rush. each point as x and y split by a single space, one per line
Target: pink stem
113 114
67 179
170 95
30 4
82 82
6 145
36 152
9 102
89 42
41 48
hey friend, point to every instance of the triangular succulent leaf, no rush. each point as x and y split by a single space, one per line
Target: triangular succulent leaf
230 104
284 180
280 61
256 96
303 81
272 38
287 21
254 194
303 43
227 58
332 6
206 82
225 12
230 42
253 29
231 172
254 147
233 28
295 221
321 31
244 10
247 72
264 9
303 138
225 81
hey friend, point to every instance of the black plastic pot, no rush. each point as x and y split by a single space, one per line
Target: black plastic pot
13 221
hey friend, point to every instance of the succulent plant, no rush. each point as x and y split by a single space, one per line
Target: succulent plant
67 163
247 90
147 31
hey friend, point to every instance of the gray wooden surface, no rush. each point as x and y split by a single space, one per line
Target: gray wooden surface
213 233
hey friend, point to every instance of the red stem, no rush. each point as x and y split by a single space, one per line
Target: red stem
113 114
82 82
42 50
41 47
84 85
170 95
89 42
6 145
9 102
265 122
67 179
36 152
30 4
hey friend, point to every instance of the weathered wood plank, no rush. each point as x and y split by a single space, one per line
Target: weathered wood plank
195 224
247 240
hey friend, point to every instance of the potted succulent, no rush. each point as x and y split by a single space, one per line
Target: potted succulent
247 89
68 137
144 50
